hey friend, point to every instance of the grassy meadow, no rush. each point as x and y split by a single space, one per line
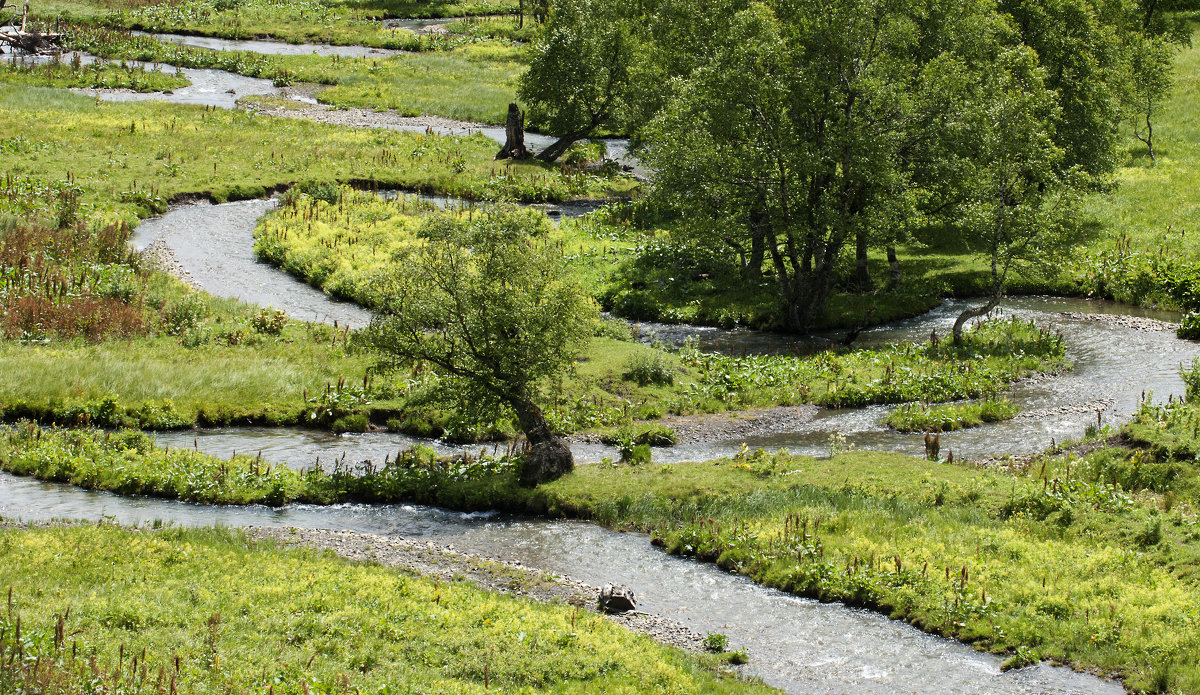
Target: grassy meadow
104 609
131 159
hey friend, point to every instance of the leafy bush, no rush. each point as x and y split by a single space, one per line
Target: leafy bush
269 321
1189 327
650 435
919 417
716 642
185 314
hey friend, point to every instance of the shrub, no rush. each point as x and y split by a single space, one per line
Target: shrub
1189 327
269 321
185 314
716 642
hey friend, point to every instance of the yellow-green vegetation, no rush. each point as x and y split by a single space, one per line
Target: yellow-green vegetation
921 417
104 609
283 12
99 75
1058 560
307 21
1151 249
130 159
341 240
127 462
473 82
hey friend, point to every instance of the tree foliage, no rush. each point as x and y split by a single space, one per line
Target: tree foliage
789 131
487 302
579 79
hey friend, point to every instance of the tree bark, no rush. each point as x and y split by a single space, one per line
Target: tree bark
514 136
559 147
894 265
973 313
549 457
862 271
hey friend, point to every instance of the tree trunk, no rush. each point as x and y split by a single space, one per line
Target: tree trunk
862 271
758 250
549 457
514 136
559 147
973 313
894 265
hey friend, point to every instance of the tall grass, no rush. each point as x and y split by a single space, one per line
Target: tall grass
103 609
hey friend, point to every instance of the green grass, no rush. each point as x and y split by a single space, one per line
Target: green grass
128 463
1072 568
287 13
130 158
209 611
473 82
920 417
94 75
299 21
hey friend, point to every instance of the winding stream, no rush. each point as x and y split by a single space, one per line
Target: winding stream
799 645
795 644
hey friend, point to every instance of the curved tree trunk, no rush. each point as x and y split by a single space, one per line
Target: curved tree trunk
559 147
514 136
549 457
973 313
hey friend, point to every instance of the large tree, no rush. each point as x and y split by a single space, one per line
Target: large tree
792 136
487 301
1020 213
579 77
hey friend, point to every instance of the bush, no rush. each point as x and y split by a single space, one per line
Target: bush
1189 327
650 435
269 321
716 642
647 368
185 314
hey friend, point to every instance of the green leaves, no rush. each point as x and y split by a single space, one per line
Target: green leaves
487 301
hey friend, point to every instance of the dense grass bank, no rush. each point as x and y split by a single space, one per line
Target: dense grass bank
287 20
130 159
1089 561
104 609
1057 562
920 417
128 463
93 75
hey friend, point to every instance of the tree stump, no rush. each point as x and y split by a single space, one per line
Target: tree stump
514 136
616 599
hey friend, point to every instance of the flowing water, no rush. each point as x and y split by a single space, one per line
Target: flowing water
799 645
214 245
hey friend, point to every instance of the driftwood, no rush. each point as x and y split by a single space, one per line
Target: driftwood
22 38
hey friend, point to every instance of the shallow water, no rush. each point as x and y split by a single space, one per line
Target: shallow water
279 48
1112 367
215 245
799 645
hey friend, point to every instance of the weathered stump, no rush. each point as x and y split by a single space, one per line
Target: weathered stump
616 599
514 136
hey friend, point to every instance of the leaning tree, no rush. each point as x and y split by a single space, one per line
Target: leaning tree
487 302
